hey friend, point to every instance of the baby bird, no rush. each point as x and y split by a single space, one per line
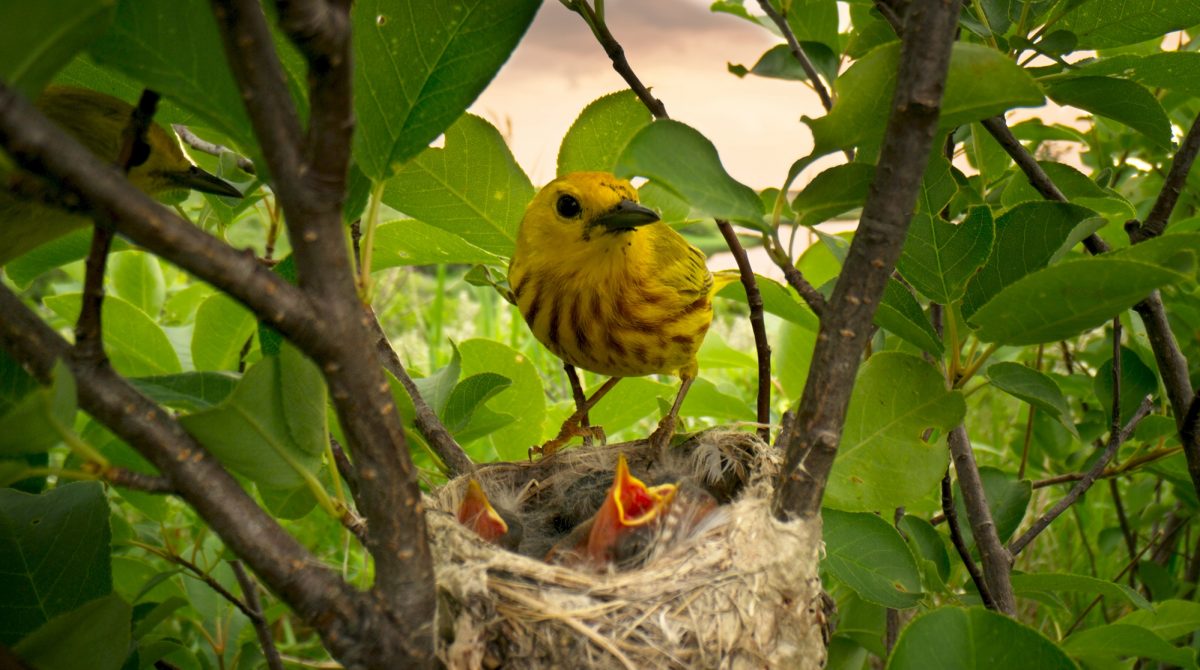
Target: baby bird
498 526
157 168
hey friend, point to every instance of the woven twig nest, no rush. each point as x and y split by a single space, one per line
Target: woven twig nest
741 591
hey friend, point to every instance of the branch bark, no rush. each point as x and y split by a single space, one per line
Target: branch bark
798 52
846 324
960 545
997 563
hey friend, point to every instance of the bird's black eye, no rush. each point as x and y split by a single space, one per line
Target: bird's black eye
140 153
568 207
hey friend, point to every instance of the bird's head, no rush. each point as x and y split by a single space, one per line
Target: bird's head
158 167
476 512
629 506
583 207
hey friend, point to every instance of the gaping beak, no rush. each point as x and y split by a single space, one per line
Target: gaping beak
476 512
629 505
627 215
198 180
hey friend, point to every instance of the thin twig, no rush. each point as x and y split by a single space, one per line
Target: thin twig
1126 530
1164 204
616 54
798 53
261 627
810 295
200 144
960 544
846 326
137 481
1129 466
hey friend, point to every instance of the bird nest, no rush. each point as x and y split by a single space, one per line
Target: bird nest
740 591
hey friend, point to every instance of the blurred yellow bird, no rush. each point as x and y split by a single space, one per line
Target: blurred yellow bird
97 120
608 287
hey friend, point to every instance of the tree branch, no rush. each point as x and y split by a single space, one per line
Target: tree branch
616 54
960 544
997 563
309 179
261 627
1156 222
798 53
200 144
137 481
847 323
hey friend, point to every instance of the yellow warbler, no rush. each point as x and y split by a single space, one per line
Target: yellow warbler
609 288
98 121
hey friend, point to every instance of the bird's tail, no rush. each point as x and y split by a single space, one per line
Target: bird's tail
723 278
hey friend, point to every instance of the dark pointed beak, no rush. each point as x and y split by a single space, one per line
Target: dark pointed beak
627 215
198 180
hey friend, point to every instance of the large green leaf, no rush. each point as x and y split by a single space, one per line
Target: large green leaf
1169 619
939 257
901 314
1076 186
811 20
896 397
679 158
44 36
469 395
525 399
472 188
135 344
419 64
54 554
37 421
1063 300
1112 23
973 639
1031 583
837 190
777 299
1032 386
597 138
137 278
982 83
172 46
99 631
1120 640
222 328
412 242
1118 99
271 429
1028 237
867 554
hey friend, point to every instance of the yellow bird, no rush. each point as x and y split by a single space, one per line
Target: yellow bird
98 121
607 287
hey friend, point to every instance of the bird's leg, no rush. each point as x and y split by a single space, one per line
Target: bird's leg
580 401
661 437
571 428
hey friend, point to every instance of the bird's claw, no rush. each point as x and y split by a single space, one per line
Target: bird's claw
568 431
661 437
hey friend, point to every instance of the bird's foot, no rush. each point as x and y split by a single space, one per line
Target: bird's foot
569 430
660 439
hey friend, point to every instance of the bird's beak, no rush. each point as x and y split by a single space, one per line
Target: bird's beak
476 512
629 504
627 215
198 180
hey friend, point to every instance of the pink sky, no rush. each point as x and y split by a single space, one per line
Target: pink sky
680 49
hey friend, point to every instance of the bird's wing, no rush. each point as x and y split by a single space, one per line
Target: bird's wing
680 265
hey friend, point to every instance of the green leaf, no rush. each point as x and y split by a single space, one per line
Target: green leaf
779 63
896 397
188 392
973 639
603 130
837 190
1033 387
469 395
1061 301
706 400
98 631
45 36
412 242
1028 237
811 20
138 279
419 64
37 422
222 328
473 188
1169 619
271 429
1112 23
927 543
525 399
777 299
679 158
715 353
1121 641
982 83
901 314
15 383
135 344
1118 99
938 187
172 46
54 555
437 387
940 257
1026 584
1008 498
1076 186
865 553
293 503
1137 381
1173 70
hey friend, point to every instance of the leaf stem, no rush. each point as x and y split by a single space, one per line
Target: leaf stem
368 243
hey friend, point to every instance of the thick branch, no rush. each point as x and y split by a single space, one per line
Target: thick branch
847 323
798 53
343 617
960 544
309 179
997 563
